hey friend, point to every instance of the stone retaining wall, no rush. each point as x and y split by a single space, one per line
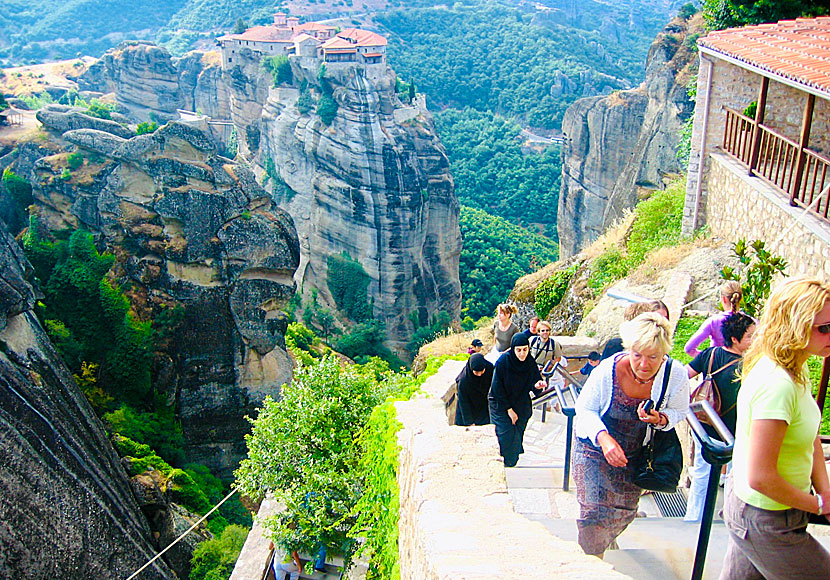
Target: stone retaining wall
746 207
457 521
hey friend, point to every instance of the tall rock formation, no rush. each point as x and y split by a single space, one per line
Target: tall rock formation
620 146
67 508
149 83
191 230
374 183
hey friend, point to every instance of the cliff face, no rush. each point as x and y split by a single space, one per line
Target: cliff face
67 509
190 229
621 145
147 80
375 184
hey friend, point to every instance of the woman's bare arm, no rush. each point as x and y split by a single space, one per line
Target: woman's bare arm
765 439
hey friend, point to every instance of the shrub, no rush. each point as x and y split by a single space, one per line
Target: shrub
75 160
756 275
159 430
252 135
305 102
549 293
327 108
146 128
280 69
100 110
348 282
215 559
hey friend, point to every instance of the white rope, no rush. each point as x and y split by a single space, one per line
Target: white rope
177 540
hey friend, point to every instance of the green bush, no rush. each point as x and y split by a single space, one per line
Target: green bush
305 102
159 430
327 108
146 128
365 340
280 69
348 282
215 559
549 293
75 160
757 273
100 110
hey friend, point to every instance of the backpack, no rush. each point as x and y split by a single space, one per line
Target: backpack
708 390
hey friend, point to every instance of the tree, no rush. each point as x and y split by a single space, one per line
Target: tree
303 448
240 26
721 14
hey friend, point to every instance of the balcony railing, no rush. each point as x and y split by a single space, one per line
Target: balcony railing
800 173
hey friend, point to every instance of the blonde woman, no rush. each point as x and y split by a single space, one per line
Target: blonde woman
611 426
778 458
731 295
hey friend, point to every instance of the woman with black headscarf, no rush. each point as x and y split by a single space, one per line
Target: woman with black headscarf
473 385
514 376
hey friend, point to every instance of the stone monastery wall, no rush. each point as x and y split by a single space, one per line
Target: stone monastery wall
746 207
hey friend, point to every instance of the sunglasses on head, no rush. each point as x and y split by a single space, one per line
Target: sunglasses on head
823 328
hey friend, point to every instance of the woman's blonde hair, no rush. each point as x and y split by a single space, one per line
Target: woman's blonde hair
632 311
786 325
732 292
509 309
648 330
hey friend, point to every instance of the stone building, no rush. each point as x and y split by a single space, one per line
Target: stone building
286 36
760 146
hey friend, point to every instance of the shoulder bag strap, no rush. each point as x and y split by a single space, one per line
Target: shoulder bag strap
666 375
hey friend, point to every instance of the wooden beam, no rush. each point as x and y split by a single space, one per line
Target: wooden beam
806 124
760 110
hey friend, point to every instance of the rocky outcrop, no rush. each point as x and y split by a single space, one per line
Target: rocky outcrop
67 510
149 83
374 184
618 147
190 229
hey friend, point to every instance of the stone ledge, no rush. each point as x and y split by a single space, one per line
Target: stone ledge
456 517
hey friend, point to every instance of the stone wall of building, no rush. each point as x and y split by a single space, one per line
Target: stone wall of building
764 213
736 88
456 517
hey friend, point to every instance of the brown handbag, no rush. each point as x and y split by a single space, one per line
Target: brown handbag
708 390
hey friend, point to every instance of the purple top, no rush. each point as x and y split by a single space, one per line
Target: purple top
709 329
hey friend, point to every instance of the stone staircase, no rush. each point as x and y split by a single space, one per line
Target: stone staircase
653 547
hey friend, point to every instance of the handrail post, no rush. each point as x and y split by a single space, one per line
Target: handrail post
804 140
566 474
760 110
706 520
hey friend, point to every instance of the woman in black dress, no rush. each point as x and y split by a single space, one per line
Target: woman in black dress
473 385
514 376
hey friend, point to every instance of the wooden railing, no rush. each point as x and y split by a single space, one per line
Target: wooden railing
800 173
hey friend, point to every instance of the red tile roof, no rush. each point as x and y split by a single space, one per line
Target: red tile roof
336 43
312 26
264 34
363 37
797 50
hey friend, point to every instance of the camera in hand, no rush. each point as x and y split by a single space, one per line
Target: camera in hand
648 406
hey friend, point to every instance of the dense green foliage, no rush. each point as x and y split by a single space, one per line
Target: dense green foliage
735 13
656 224
19 192
366 340
492 173
549 292
159 429
280 69
95 315
347 281
496 253
327 108
146 128
758 269
490 56
101 110
215 559
303 449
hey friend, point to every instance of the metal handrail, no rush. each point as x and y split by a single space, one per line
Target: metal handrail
567 409
716 453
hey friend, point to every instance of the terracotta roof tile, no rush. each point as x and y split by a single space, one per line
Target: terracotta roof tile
363 37
798 50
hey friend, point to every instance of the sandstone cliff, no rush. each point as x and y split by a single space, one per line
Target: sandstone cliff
620 146
375 184
192 229
67 508
147 80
